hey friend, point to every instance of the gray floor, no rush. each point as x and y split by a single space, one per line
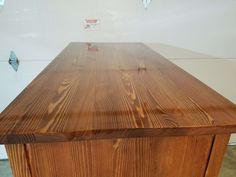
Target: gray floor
228 167
5 170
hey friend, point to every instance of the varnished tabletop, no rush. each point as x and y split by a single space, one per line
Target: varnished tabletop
113 90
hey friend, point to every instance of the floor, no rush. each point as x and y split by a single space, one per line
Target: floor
229 164
228 168
5 170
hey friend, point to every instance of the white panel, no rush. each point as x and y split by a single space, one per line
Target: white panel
218 74
173 52
12 83
43 28
3 154
232 140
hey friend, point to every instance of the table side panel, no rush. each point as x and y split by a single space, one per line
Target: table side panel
19 160
184 156
217 155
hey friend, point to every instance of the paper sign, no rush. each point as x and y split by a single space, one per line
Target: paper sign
91 24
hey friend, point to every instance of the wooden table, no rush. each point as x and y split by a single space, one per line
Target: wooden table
116 110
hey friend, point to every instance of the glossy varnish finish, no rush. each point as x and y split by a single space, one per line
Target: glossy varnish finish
117 110
97 91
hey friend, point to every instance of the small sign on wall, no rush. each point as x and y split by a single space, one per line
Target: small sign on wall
91 24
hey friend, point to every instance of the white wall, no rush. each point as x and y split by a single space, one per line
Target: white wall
38 30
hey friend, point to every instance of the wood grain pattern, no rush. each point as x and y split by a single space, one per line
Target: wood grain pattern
19 161
116 91
132 157
217 155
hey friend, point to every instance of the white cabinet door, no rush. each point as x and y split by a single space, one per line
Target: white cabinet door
12 83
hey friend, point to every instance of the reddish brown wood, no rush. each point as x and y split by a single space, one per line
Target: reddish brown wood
116 91
217 155
19 160
132 157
